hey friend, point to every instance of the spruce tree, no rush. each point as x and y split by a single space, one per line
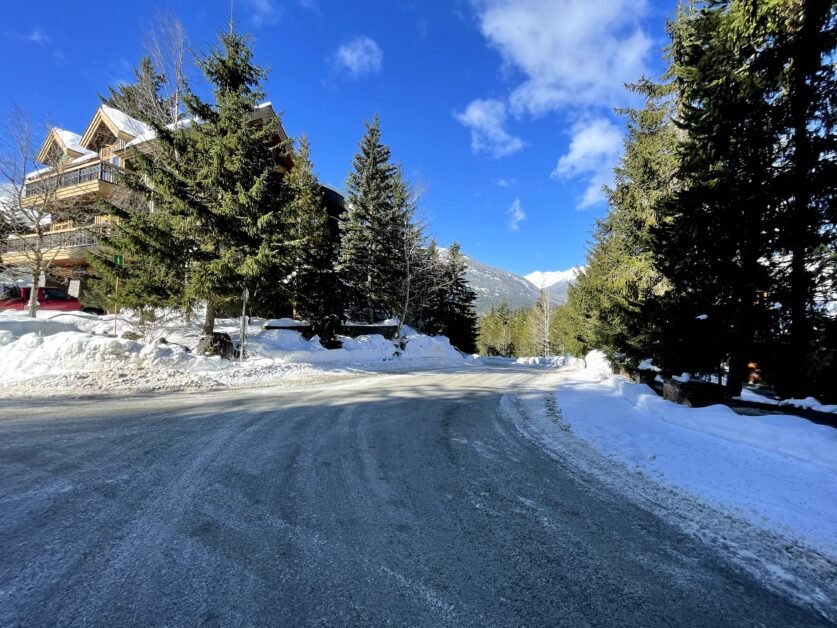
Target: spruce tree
715 228
456 315
155 245
380 242
142 100
215 188
496 335
792 47
423 289
576 320
312 284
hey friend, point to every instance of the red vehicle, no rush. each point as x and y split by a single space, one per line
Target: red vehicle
17 298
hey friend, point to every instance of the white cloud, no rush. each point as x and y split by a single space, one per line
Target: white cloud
263 12
359 57
571 52
505 183
573 57
516 215
594 151
487 119
35 36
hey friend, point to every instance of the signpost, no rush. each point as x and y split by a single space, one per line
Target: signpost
242 338
118 261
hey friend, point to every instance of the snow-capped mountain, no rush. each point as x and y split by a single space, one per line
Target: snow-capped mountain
556 282
493 285
550 278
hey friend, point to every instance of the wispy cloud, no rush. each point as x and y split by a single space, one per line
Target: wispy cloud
263 12
516 215
358 58
35 36
594 150
487 120
505 183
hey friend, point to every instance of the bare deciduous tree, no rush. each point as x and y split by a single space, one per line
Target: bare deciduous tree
33 209
539 325
168 46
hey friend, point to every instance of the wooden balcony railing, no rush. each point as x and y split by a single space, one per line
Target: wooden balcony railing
83 236
97 172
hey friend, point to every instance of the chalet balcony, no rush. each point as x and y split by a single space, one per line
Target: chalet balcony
99 179
69 241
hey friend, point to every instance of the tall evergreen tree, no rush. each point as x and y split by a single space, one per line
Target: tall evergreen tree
498 331
142 99
369 188
427 288
371 262
791 46
405 239
458 320
312 284
715 228
214 183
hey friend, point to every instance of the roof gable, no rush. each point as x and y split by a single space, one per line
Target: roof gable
120 124
67 142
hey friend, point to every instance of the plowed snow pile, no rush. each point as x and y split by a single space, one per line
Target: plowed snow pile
59 345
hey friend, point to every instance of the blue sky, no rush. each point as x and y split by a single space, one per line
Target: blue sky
499 110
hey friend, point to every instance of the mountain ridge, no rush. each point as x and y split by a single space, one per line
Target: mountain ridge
494 285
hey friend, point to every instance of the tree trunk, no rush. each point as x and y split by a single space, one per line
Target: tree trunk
32 307
209 320
737 373
804 221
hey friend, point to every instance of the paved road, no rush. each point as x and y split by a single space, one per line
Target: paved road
402 499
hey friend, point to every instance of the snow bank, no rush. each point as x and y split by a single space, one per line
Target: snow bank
596 366
786 435
810 403
285 322
55 344
752 395
32 355
776 471
552 361
290 346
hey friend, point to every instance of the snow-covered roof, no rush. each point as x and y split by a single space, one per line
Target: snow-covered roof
125 123
72 141
149 134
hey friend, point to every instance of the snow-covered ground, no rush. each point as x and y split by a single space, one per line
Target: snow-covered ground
778 472
67 350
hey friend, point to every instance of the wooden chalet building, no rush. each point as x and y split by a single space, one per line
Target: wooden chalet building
89 167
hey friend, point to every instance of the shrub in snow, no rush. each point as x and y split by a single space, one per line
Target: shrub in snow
218 343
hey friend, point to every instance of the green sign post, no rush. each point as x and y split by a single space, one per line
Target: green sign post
118 260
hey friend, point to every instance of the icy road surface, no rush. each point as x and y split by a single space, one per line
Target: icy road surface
411 499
